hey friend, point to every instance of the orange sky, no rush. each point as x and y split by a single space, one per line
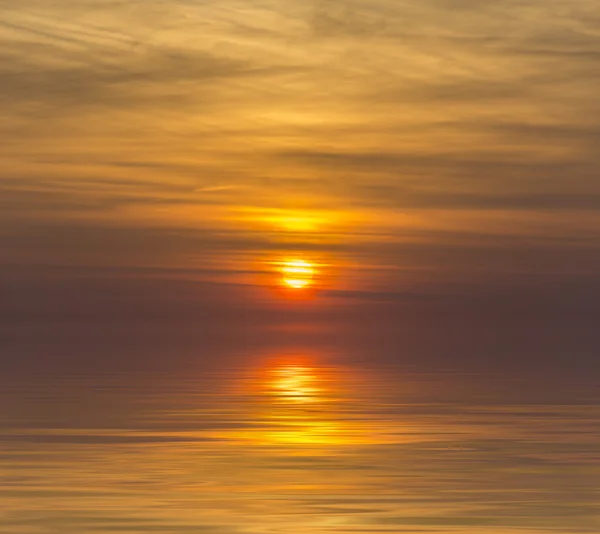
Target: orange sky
402 146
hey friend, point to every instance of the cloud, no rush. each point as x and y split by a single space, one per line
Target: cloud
98 439
137 83
457 180
450 138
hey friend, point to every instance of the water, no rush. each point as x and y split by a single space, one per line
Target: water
297 443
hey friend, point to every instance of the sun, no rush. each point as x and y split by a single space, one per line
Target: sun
297 274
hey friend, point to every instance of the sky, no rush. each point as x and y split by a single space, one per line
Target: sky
436 161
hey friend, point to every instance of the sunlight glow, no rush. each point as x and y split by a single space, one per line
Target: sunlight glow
295 383
301 402
295 283
297 274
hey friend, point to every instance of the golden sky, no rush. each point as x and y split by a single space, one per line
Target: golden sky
400 145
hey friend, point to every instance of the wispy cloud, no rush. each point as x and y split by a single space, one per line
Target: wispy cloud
398 118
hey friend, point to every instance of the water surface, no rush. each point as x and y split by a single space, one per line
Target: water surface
298 443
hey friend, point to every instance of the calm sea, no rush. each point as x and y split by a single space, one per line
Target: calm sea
299 443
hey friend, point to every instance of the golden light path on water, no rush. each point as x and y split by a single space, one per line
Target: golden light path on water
300 401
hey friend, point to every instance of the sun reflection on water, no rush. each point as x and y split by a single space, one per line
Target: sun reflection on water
295 383
301 405
299 401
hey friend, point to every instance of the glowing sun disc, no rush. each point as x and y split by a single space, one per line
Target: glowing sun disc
297 274
296 284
